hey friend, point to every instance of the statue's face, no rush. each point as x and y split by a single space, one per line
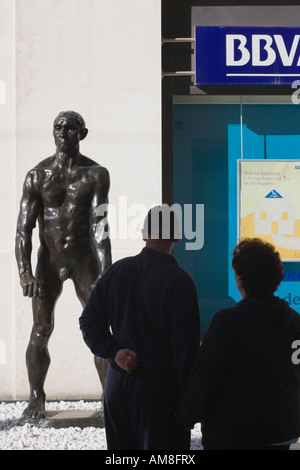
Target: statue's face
66 134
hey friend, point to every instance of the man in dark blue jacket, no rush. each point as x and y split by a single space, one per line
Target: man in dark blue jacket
143 314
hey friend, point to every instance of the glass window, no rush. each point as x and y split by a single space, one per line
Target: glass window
211 133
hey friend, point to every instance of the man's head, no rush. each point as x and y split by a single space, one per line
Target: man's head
68 130
161 226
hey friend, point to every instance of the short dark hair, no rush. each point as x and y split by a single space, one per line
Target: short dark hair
73 115
259 266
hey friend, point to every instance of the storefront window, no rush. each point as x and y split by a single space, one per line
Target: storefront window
211 135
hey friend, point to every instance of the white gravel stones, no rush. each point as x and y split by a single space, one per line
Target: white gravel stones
27 437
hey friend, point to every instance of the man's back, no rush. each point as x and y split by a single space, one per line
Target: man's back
152 308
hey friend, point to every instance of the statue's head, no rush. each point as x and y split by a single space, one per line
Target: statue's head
68 129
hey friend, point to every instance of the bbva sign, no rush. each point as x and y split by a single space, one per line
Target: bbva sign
247 55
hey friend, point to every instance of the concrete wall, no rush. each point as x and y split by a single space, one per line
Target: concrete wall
101 59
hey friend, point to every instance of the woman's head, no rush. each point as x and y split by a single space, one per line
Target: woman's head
258 266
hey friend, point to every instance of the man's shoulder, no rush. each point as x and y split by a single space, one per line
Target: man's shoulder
41 167
87 162
36 174
118 268
176 277
50 163
101 174
120 264
97 171
181 274
45 164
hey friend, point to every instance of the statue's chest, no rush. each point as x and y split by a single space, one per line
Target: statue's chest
66 189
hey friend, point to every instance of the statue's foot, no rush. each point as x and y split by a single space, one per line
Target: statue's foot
35 410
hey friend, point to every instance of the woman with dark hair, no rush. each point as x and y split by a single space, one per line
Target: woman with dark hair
245 383
258 268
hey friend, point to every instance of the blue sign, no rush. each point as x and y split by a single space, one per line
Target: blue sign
237 55
273 195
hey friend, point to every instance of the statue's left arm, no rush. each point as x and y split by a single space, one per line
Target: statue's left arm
99 221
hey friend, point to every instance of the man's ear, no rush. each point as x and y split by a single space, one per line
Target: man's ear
83 133
145 235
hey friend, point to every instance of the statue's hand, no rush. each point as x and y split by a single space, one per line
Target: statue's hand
32 287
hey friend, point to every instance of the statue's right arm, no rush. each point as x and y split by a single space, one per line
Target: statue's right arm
29 209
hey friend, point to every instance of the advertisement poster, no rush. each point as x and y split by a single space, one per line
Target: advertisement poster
269 204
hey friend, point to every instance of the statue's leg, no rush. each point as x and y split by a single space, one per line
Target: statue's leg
37 354
83 285
101 367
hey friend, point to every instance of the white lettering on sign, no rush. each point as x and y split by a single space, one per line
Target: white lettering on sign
287 59
264 49
265 41
231 40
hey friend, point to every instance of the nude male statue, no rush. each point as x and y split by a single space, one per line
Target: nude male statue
62 193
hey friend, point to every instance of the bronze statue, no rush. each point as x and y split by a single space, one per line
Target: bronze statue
62 193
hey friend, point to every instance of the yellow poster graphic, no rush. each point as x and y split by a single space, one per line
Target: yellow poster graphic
269 204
